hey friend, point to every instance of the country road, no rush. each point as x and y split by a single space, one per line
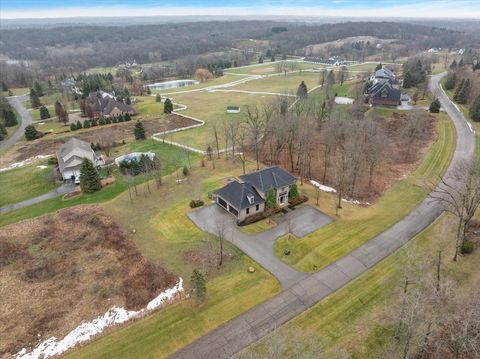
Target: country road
16 102
261 320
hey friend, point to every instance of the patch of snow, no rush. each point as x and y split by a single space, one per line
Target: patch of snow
323 187
356 202
24 162
470 126
87 330
344 100
42 167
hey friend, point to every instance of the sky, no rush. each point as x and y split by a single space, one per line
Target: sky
11 9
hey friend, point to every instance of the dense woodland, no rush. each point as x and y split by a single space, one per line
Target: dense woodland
75 48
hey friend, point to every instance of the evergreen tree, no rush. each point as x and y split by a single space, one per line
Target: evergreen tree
87 124
168 106
260 60
44 113
272 59
73 127
302 92
34 99
474 111
198 285
114 119
10 118
4 87
120 118
464 92
101 121
139 131
293 194
149 92
31 133
185 171
158 98
79 125
453 65
94 122
128 101
435 106
407 80
378 67
451 81
271 201
3 132
457 90
89 177
38 88
108 120
127 117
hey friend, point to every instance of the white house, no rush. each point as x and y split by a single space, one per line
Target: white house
71 155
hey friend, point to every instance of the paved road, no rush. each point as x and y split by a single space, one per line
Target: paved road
16 102
259 247
63 189
261 320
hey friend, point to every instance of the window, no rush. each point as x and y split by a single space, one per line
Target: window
248 210
257 207
250 198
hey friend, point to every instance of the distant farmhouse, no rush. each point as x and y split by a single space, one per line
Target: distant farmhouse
104 104
384 90
247 195
70 157
233 109
332 61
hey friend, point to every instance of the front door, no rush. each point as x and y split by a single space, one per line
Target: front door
283 198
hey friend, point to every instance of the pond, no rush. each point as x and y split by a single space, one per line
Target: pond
172 84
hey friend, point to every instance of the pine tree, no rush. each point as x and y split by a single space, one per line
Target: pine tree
149 92
457 90
94 122
127 117
87 124
271 201
168 106
464 92
453 65
4 87
302 92
158 98
44 113
101 121
435 106
198 285
34 99
31 133
407 80
293 194
38 88
474 111
378 67
89 177
79 125
10 118
451 81
73 127
260 60
139 131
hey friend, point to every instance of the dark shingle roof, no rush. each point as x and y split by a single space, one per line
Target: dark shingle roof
240 195
263 179
385 91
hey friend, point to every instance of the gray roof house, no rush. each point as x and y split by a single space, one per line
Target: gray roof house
246 196
71 155
384 94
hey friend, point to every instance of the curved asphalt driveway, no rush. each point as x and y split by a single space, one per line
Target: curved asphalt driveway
259 321
16 102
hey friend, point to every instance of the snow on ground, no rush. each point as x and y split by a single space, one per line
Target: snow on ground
42 167
344 100
87 330
323 187
24 162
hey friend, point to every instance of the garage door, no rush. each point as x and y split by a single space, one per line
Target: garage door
233 211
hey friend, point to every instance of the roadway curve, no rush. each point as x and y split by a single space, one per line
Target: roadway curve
251 326
16 102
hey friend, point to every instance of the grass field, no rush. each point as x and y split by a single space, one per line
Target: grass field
355 317
26 182
281 83
171 157
35 113
214 113
258 227
217 81
17 91
164 234
355 225
269 68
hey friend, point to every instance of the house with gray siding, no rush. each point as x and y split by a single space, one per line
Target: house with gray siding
246 196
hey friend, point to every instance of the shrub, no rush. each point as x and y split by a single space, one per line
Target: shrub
114 120
194 203
468 247
108 120
31 133
79 125
87 124
94 122
435 106
52 161
102 121
73 127
293 194
186 171
127 117
120 118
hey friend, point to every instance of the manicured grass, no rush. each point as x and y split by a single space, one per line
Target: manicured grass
217 81
258 227
356 317
35 113
164 234
169 154
355 225
281 83
148 107
17 91
268 68
362 67
211 107
27 182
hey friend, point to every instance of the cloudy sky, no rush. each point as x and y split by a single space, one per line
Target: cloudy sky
342 8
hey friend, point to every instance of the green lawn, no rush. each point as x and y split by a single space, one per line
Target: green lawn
281 83
356 317
164 234
35 113
17 91
258 227
27 182
363 67
268 68
171 156
217 81
356 225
